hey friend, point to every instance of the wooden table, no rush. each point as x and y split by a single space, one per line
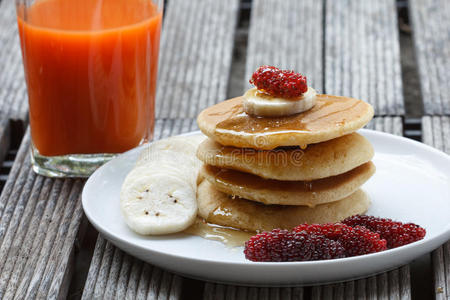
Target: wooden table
209 49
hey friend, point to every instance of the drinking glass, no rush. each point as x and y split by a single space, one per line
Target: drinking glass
90 68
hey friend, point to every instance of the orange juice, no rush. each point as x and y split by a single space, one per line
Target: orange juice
91 70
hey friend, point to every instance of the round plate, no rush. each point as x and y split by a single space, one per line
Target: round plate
412 184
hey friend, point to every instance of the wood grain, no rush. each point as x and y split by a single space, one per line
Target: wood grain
39 221
13 99
362 53
195 56
431 32
286 34
436 133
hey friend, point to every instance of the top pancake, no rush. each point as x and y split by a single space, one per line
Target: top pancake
331 117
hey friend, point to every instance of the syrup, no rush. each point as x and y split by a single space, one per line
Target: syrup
231 237
329 112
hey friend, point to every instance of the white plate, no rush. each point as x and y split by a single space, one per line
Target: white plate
412 184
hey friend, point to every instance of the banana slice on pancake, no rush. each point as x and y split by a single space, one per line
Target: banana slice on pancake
258 104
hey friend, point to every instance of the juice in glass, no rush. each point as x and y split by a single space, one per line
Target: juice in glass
91 69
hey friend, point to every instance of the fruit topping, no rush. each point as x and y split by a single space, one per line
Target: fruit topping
284 245
279 83
395 233
355 240
356 235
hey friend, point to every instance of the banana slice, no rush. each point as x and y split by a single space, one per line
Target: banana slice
158 196
157 204
255 104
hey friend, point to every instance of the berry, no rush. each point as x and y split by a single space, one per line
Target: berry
356 240
279 83
283 245
395 233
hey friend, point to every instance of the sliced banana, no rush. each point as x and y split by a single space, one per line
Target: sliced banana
158 196
158 204
255 104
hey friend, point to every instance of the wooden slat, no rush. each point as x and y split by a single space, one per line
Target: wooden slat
113 273
362 56
13 100
431 33
436 133
286 34
195 56
39 221
392 125
229 292
391 285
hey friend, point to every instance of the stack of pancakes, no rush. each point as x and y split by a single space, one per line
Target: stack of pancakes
266 173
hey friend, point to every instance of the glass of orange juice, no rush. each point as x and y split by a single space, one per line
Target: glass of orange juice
91 68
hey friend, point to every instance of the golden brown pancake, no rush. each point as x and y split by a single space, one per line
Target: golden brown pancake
219 208
317 161
331 117
269 191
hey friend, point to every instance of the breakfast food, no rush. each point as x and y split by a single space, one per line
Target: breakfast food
321 160
219 208
159 195
395 233
308 242
282 154
270 191
283 162
284 245
331 117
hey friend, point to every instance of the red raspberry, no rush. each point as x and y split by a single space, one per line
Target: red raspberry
356 240
283 245
395 233
279 83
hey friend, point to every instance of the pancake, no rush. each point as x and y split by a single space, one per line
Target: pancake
219 208
269 191
317 161
331 117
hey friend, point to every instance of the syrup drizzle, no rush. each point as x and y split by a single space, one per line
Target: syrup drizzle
231 237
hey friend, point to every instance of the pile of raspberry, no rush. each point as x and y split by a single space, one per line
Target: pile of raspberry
279 83
356 235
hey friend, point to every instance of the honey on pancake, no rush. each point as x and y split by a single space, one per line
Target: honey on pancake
247 180
329 111
231 237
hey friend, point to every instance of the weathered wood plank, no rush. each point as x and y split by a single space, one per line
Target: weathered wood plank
431 33
362 56
286 34
391 285
195 56
39 221
229 292
436 133
115 274
13 100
